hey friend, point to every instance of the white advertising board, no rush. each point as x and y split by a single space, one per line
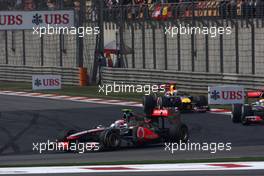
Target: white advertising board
226 95
46 82
11 20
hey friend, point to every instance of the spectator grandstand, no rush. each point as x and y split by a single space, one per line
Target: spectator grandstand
164 9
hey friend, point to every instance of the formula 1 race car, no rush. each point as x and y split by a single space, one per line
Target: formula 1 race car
249 113
173 99
163 125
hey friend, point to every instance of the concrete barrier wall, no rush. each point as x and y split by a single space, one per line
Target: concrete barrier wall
193 82
70 76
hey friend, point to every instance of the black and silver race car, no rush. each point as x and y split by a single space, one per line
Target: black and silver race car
249 113
162 125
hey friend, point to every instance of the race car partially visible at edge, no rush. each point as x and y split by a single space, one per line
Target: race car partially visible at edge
249 113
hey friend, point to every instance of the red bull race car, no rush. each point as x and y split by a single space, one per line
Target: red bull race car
162 125
174 99
249 113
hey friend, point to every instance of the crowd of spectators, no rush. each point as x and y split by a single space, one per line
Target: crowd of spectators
224 8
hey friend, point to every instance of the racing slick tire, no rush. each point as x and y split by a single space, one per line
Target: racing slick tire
178 133
236 113
165 102
110 139
200 101
246 111
149 103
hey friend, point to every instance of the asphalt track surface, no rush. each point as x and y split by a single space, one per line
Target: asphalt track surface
26 120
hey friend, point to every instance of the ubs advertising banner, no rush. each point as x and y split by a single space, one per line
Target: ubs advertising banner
226 95
46 82
11 20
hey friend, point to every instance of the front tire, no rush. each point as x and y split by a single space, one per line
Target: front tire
110 140
246 111
149 103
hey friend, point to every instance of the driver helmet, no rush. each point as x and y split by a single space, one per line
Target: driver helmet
261 102
127 115
119 124
171 90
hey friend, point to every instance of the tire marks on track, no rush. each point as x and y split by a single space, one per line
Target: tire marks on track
14 138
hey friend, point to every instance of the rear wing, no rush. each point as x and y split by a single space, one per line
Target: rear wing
160 113
167 113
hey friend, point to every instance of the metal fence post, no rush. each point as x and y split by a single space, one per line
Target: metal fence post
193 37
237 48
101 25
193 52
100 38
253 47
13 48
165 50
221 54
41 51
61 49
23 47
81 19
154 47
6 48
121 37
179 50
207 52
143 45
133 45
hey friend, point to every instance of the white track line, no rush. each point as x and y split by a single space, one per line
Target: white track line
135 168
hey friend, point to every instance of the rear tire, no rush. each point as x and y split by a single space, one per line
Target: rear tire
165 102
200 101
236 113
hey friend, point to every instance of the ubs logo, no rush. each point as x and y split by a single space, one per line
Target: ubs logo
37 19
